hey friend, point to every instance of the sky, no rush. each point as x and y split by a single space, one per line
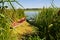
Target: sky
36 3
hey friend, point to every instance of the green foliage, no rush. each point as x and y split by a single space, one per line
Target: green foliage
14 15
5 31
30 37
7 16
20 13
34 38
48 23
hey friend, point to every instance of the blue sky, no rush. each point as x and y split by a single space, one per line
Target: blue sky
36 3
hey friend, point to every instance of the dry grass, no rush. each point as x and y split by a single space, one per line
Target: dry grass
24 28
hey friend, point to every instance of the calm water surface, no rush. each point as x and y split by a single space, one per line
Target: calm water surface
30 14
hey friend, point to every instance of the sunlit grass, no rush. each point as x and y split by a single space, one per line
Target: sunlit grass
24 28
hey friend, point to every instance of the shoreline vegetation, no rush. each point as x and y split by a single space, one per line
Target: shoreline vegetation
14 24
44 26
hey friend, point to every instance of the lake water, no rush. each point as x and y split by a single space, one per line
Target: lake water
30 14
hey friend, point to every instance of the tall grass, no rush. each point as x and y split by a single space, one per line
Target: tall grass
47 22
18 14
7 16
5 31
